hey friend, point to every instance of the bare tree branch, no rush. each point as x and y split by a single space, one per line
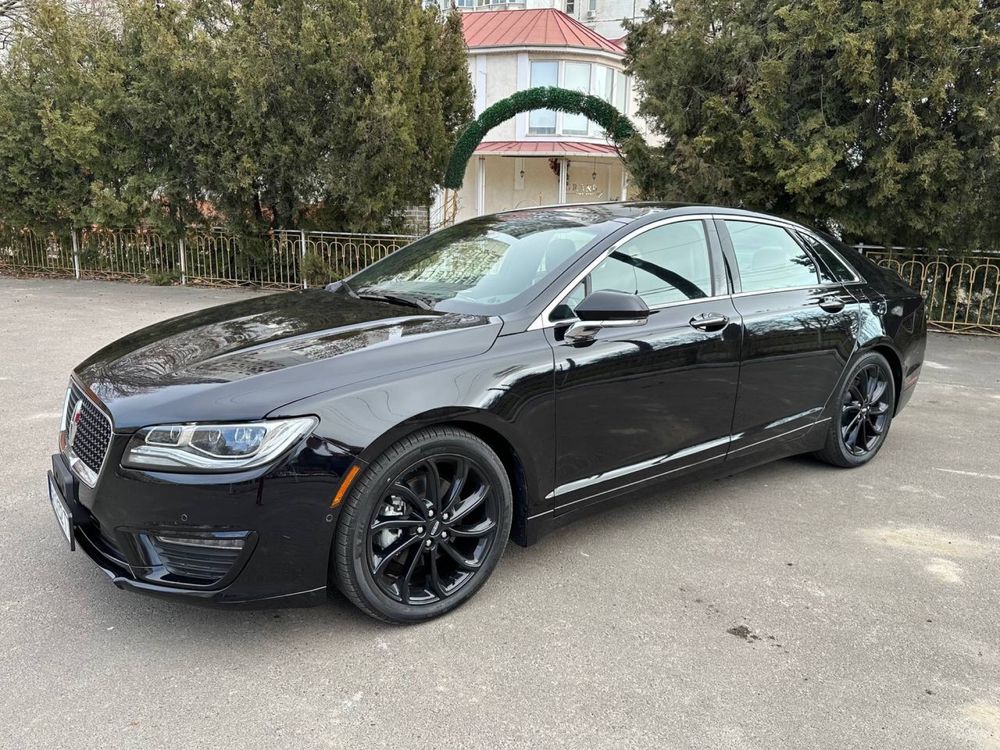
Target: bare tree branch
12 13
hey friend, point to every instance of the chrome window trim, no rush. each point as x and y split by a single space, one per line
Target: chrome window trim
789 226
542 321
854 272
824 285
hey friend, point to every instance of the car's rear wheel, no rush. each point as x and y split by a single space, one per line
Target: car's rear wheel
424 526
862 415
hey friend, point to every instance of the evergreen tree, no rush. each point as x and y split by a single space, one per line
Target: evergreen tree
881 119
58 165
274 113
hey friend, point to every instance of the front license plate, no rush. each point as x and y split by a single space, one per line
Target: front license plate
63 516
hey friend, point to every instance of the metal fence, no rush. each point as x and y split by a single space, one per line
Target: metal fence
961 292
279 260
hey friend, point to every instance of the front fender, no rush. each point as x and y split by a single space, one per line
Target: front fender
507 391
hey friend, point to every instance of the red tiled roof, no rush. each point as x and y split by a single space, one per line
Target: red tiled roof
546 148
544 27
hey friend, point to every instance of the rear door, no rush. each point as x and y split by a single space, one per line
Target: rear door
799 330
654 399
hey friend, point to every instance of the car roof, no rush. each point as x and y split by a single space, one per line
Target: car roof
626 212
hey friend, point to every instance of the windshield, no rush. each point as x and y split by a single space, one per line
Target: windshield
484 266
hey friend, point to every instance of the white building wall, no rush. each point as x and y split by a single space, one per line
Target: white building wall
504 188
495 183
603 16
497 75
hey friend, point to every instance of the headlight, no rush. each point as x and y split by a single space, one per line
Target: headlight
214 447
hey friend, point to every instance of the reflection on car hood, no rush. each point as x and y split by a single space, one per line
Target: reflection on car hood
245 359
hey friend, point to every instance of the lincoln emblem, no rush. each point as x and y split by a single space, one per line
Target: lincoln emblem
74 423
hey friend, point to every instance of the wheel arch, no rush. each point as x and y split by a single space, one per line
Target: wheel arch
513 463
521 471
895 366
881 346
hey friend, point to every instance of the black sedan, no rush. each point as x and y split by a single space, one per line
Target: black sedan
493 380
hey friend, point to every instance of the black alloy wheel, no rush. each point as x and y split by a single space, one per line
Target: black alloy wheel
424 526
863 415
432 529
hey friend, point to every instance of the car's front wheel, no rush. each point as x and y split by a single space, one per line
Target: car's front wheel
423 527
862 415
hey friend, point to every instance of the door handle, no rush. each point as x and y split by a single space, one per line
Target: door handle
832 304
708 321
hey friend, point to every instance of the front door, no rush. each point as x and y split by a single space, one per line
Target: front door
654 399
800 327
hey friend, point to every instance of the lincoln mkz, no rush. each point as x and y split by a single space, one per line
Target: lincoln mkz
386 435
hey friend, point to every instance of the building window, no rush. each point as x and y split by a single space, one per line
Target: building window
620 99
576 77
604 83
589 78
543 73
570 7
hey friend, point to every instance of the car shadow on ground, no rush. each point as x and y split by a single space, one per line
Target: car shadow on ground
627 516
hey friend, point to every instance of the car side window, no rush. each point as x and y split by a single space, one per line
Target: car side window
836 270
665 264
769 258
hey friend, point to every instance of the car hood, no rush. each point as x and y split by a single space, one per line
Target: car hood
245 359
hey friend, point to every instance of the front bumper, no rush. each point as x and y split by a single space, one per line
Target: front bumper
128 523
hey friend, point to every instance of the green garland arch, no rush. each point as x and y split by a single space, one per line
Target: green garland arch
615 124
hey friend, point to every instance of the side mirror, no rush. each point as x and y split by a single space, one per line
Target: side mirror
606 309
607 304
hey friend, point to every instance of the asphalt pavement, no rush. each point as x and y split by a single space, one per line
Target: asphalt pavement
792 606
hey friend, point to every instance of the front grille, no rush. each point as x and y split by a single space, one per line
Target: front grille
188 559
93 431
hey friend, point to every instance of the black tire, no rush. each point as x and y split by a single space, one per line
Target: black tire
862 413
445 546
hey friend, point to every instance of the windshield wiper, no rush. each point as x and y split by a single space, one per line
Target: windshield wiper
396 298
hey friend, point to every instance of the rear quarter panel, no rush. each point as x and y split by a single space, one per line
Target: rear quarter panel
893 315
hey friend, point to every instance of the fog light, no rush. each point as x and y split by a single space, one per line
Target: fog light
213 542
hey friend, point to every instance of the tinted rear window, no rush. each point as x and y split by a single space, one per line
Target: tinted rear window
836 269
769 257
